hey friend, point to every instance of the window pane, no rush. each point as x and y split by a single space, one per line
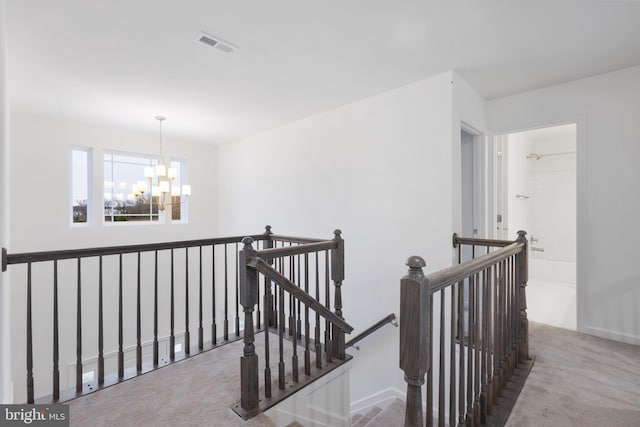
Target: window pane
176 206
79 185
127 192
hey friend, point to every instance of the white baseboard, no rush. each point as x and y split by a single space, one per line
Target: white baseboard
381 398
323 403
612 335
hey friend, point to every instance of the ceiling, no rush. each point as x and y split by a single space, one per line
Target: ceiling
122 62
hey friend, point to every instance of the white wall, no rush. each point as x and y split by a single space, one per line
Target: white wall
380 170
40 188
549 212
553 194
469 112
606 109
5 356
518 183
40 220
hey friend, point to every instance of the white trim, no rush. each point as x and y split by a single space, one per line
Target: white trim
480 189
582 213
112 153
91 363
500 186
184 208
323 403
89 181
613 335
384 398
380 398
6 385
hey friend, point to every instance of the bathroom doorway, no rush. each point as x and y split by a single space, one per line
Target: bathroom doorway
536 191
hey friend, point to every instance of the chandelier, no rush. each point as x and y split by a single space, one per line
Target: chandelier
161 181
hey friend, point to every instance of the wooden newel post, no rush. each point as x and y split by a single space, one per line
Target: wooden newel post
248 298
415 339
523 272
337 275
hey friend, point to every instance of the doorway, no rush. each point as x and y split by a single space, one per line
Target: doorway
536 192
473 184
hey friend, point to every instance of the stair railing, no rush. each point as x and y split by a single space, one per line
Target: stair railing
154 288
288 266
389 319
481 332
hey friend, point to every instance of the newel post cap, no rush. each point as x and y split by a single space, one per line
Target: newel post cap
267 229
247 241
337 234
522 234
415 264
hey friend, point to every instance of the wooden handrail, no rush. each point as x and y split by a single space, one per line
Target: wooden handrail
446 277
39 256
21 258
306 248
371 329
294 239
298 293
252 262
82 258
457 240
487 332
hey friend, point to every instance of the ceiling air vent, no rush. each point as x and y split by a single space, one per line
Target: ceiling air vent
215 42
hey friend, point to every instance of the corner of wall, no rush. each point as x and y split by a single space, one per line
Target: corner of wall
469 111
5 364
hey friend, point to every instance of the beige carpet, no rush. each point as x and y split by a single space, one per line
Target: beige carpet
195 392
579 380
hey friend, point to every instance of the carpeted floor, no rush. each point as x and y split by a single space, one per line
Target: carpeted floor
579 380
182 394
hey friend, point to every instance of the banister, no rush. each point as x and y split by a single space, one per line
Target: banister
444 278
248 295
298 293
415 337
25 257
485 301
306 248
457 240
371 329
294 239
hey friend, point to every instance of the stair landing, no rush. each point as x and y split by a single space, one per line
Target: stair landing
197 391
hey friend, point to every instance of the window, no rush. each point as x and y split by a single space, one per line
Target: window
180 193
141 188
127 196
80 185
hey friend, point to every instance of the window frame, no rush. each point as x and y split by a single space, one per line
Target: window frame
89 183
151 158
184 206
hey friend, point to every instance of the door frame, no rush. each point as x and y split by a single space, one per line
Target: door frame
582 235
482 180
